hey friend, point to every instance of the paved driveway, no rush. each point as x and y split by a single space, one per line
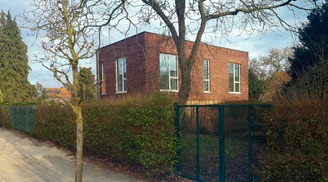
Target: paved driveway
26 160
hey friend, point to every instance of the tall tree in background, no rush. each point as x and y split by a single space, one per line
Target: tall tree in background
269 71
310 62
183 17
87 84
41 91
64 29
312 49
14 68
255 86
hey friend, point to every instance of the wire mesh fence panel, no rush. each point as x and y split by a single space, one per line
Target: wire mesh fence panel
220 142
199 153
236 143
209 143
22 117
188 144
258 135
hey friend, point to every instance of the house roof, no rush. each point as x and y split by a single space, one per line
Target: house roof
58 93
145 32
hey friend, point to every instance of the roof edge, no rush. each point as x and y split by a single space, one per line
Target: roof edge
146 32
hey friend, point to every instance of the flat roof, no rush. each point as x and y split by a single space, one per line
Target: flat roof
144 32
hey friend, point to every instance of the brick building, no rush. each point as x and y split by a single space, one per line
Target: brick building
148 62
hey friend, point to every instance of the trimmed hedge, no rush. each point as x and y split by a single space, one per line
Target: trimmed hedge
5 117
133 130
297 143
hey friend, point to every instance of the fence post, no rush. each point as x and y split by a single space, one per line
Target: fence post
250 176
221 144
177 127
197 140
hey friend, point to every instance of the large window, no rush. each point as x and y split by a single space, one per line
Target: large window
234 78
121 75
103 79
168 72
102 72
206 75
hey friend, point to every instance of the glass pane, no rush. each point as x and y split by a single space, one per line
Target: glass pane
124 85
102 72
124 67
119 75
173 66
119 84
174 84
237 87
231 79
164 71
206 86
205 69
237 72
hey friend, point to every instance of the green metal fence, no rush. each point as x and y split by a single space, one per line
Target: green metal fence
219 142
22 117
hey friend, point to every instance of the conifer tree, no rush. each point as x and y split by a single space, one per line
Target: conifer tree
87 84
14 66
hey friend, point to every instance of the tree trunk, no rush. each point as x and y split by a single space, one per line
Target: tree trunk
79 144
184 92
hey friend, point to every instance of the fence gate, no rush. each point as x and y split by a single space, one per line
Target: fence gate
219 142
22 117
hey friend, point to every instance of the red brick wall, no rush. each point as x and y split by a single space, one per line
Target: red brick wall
219 68
133 50
143 67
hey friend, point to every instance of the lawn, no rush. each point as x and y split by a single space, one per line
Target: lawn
235 152
209 145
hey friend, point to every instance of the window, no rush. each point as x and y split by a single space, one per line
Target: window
168 72
103 79
102 72
206 75
234 78
121 75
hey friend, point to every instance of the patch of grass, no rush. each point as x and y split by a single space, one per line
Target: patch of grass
235 147
209 145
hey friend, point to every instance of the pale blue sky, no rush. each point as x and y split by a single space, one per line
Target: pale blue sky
257 45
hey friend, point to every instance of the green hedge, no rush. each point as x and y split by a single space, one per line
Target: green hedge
4 117
135 130
297 143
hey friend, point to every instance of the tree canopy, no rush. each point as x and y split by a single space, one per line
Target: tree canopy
14 68
312 49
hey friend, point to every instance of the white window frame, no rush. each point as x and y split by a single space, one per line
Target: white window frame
103 78
123 79
208 76
234 78
170 77
102 72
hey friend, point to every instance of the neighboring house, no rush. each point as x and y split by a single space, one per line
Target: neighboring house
148 62
58 94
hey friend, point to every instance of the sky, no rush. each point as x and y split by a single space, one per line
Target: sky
257 44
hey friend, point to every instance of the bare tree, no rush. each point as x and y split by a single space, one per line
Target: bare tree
194 18
267 67
67 31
